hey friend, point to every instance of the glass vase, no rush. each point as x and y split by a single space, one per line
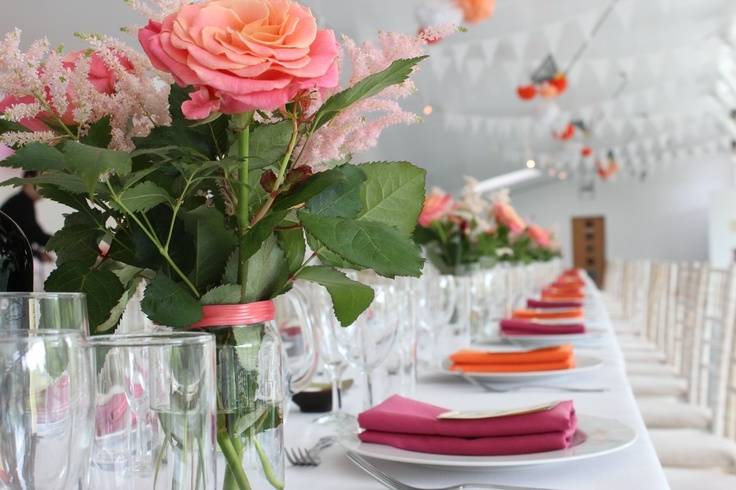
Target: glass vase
155 413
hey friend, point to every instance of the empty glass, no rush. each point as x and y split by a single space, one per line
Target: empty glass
366 343
155 412
46 410
44 311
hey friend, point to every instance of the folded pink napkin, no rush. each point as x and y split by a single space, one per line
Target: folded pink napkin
412 425
526 327
539 304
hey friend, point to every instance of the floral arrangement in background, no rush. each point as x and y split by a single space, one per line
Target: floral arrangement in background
474 230
209 166
432 14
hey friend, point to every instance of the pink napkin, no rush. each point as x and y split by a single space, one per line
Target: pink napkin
412 425
526 327
539 304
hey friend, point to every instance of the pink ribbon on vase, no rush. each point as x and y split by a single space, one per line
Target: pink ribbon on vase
238 314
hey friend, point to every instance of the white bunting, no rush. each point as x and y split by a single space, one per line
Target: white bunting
625 12
475 69
489 47
459 51
587 21
553 33
600 68
518 42
439 61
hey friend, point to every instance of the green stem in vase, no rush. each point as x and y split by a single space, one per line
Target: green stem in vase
242 125
266 463
234 463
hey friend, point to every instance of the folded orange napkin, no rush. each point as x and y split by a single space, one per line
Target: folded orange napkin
531 314
544 359
564 290
562 297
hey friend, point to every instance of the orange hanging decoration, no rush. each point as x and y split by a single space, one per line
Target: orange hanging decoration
586 151
567 133
526 92
559 82
548 90
475 11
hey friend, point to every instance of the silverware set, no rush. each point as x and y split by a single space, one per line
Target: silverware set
309 457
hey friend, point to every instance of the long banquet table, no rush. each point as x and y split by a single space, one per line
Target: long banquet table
636 467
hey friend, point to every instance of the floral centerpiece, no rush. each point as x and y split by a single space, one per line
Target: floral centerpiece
215 168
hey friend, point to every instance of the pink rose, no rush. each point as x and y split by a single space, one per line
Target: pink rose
5 152
539 235
99 75
507 216
242 55
436 206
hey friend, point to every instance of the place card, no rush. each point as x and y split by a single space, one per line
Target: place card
489 414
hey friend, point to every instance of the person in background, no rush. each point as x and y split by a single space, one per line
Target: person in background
21 207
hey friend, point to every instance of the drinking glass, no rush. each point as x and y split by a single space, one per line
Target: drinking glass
44 311
366 343
155 412
46 410
436 298
329 352
401 365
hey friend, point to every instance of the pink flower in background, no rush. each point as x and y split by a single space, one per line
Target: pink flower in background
5 152
436 206
507 216
99 74
539 235
242 55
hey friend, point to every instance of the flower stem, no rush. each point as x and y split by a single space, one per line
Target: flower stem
242 124
234 463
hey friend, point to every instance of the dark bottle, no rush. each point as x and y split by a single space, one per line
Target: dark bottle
16 257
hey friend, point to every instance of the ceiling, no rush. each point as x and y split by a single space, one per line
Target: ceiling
656 83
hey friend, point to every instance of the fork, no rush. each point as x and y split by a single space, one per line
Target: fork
393 484
493 389
309 457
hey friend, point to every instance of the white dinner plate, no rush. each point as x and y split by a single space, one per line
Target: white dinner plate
583 364
595 437
591 335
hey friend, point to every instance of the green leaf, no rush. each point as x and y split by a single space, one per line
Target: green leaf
99 134
328 257
371 85
6 126
169 303
349 298
141 198
213 243
261 231
77 243
342 199
268 143
117 311
292 243
227 294
102 287
308 189
393 193
60 180
268 271
366 243
90 162
36 156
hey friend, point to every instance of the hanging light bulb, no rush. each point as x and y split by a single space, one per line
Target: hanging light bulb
531 164
428 109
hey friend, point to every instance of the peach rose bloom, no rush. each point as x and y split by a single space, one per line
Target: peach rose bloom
507 216
475 11
242 55
539 235
436 206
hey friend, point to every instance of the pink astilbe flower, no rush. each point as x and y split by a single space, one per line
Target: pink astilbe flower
78 89
358 127
156 9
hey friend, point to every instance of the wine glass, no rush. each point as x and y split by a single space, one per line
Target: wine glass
329 353
44 311
366 343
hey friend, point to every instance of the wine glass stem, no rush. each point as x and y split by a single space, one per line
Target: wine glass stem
336 399
368 383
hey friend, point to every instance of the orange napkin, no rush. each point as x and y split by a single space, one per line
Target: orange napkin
562 297
528 314
544 359
569 282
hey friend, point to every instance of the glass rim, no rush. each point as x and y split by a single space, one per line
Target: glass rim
41 295
151 339
23 335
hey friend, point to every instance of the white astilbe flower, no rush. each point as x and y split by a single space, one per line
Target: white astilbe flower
21 138
156 9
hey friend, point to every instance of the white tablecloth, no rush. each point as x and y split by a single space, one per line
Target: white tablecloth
636 467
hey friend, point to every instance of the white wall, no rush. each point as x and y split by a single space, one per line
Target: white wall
664 217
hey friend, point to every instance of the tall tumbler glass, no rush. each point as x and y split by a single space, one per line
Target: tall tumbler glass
44 311
155 413
46 410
